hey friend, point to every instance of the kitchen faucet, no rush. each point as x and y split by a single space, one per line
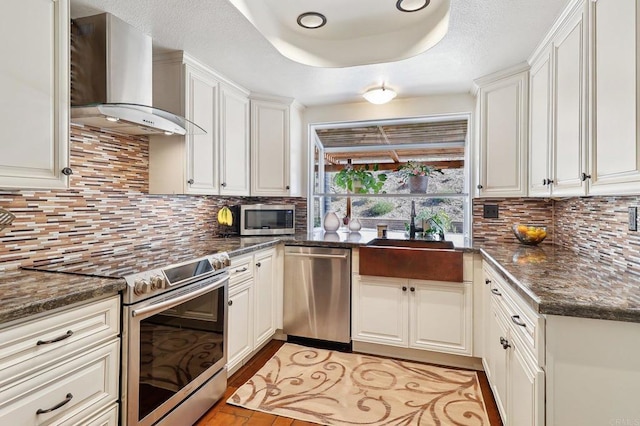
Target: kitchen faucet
412 225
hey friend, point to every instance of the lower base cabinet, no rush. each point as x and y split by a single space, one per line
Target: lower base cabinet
62 368
254 288
431 315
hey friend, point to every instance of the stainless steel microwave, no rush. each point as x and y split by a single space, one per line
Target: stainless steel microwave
267 219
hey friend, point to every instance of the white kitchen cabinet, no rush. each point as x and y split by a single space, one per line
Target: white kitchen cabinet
70 356
240 313
276 157
234 142
514 354
265 296
34 106
254 287
557 131
502 121
212 163
614 155
418 314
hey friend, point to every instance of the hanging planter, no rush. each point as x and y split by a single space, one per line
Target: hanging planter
418 184
416 175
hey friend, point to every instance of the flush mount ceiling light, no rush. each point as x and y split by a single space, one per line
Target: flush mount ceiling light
412 5
379 95
312 20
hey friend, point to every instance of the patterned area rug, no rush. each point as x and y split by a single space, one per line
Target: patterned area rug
335 388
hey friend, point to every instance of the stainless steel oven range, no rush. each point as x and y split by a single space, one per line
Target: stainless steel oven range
174 332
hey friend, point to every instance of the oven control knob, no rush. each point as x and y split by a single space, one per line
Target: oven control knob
157 282
141 287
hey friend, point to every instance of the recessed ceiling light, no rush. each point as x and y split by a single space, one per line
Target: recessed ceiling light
379 95
311 20
412 5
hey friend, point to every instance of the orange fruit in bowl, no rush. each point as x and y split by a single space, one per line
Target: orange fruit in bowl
522 229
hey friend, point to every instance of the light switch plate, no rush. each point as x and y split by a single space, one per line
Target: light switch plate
633 218
490 211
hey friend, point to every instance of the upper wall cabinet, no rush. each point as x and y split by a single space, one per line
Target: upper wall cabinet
275 147
557 121
34 105
614 118
206 164
502 111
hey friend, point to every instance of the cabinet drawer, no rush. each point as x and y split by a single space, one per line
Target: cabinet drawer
527 324
241 269
88 382
108 417
24 348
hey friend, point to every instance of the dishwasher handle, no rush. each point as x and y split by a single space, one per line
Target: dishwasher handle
318 256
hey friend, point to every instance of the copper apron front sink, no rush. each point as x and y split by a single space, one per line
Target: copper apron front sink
417 262
411 243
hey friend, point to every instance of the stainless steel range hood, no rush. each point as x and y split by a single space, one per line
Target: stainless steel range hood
112 77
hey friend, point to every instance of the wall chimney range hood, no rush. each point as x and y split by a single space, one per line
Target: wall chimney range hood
112 77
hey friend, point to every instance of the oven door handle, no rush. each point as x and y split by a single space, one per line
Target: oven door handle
174 301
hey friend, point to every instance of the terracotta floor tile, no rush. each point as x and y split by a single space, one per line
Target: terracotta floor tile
282 421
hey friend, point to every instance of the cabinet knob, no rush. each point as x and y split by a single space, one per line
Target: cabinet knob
479 186
505 343
223 184
258 264
230 302
549 181
412 289
544 182
404 288
487 281
67 171
584 177
190 181
287 187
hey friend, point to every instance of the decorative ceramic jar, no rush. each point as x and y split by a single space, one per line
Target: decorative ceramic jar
331 222
354 225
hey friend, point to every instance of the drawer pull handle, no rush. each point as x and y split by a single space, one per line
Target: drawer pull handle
505 343
57 339
67 399
516 320
496 292
242 270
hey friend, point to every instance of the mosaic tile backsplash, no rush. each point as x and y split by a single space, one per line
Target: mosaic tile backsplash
107 206
591 226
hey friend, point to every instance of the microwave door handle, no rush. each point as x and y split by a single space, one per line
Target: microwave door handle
170 303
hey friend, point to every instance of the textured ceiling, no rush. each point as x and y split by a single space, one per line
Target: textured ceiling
484 36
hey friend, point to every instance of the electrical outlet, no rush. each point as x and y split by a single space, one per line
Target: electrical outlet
633 218
490 211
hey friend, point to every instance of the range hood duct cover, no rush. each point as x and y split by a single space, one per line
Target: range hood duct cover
112 80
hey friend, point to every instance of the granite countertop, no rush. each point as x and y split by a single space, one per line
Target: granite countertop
557 281
25 293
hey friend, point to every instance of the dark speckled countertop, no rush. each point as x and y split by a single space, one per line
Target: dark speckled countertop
551 279
557 281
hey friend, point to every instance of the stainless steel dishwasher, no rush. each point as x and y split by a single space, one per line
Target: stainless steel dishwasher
317 293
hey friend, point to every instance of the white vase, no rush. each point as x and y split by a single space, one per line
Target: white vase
331 222
354 225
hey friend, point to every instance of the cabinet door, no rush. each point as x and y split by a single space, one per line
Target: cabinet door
615 145
497 359
265 296
269 148
440 316
380 311
234 142
540 125
240 329
202 150
569 141
503 134
526 389
34 105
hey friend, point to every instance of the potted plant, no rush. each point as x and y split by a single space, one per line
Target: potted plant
360 179
416 175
